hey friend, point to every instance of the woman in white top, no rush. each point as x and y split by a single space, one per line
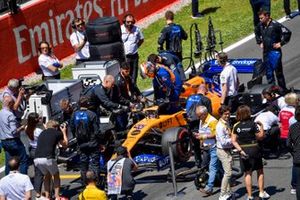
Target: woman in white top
33 133
48 62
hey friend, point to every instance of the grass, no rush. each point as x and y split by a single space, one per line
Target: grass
232 17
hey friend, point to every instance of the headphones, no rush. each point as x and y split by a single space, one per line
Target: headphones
128 15
49 46
77 21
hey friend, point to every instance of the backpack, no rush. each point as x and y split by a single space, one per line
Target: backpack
175 39
81 122
191 105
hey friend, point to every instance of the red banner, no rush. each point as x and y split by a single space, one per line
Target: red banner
51 21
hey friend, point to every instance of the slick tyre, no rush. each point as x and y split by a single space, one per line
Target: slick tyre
182 149
106 52
103 30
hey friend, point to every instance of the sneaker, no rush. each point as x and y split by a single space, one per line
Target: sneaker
197 16
264 195
293 191
250 198
206 192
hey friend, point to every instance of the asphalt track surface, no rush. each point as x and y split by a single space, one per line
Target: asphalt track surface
154 185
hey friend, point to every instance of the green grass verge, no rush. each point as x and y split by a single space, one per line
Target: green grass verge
232 17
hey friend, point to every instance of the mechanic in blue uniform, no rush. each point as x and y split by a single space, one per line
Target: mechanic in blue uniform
170 60
166 83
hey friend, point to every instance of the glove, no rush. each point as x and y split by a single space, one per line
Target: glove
125 108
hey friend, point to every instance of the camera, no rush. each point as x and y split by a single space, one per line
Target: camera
64 124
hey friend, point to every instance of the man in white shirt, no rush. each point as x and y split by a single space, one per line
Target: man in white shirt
15 185
79 41
132 38
229 82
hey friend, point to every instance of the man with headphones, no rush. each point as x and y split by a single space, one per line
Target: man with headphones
229 82
79 41
132 38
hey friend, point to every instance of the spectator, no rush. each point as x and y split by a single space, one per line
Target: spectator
229 82
128 89
91 191
15 185
224 146
48 62
108 95
271 36
10 135
293 146
79 41
85 126
132 38
287 8
119 174
258 5
270 122
192 103
13 7
17 93
245 137
172 34
33 132
167 84
285 114
45 154
195 10
207 135
170 60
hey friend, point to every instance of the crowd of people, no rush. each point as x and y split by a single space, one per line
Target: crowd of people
213 137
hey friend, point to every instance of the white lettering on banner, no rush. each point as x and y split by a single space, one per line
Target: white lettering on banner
121 9
53 34
53 29
19 40
138 2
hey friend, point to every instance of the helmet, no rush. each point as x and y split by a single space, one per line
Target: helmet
147 70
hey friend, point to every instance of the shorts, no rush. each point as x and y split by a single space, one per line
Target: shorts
251 164
46 165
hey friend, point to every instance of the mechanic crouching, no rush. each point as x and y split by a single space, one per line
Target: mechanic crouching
85 126
207 135
166 83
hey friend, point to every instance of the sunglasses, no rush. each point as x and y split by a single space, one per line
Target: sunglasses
44 47
81 24
129 22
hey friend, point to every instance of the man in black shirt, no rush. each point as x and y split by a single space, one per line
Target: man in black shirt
45 154
109 97
293 144
271 36
126 85
85 125
172 34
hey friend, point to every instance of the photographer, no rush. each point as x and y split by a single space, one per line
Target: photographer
245 137
45 154
17 93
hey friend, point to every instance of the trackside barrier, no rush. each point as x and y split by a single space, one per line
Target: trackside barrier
176 194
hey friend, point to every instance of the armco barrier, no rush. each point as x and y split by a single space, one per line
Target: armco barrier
51 20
